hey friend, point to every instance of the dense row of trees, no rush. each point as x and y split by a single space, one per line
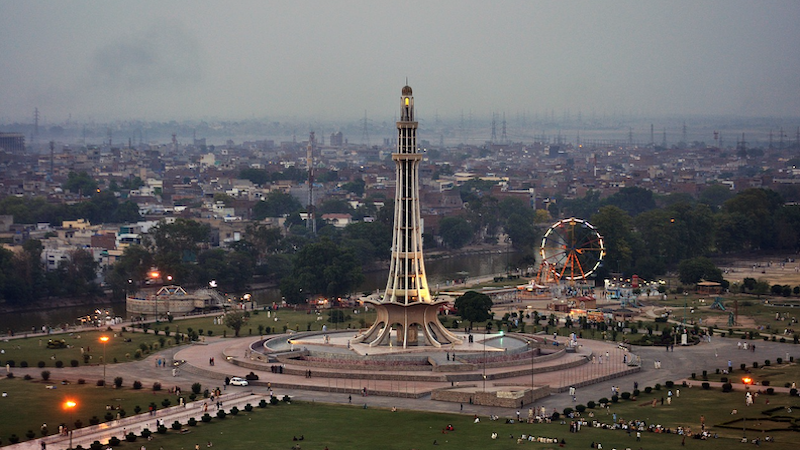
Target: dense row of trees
103 207
23 278
648 235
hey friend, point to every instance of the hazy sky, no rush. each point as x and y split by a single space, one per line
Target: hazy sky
162 60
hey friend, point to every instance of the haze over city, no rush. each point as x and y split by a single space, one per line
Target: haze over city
153 60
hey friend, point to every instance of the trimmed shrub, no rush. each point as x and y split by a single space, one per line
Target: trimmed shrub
30 434
658 386
146 433
727 387
625 395
137 409
40 364
156 386
670 384
580 408
74 362
96 445
603 401
614 398
286 399
248 407
273 401
743 366
590 404
130 437
766 362
81 381
694 376
13 439
118 382
636 392
780 360
196 388
192 422
262 403
793 392
101 383
59 364
176 425
114 441
555 416
137 384
765 383
95 420
206 418
755 364
161 429
706 385
109 416
27 377
234 411
770 391
567 411
724 379
221 414
165 403
24 364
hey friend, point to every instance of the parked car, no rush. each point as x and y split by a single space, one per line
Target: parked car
238 381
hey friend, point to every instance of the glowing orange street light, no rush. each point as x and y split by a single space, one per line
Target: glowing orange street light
747 380
154 274
70 405
104 339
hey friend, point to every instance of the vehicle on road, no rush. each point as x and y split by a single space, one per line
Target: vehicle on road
238 381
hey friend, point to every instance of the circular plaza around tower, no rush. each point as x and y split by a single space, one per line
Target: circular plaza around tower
495 369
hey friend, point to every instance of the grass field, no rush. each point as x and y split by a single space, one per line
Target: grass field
352 427
29 404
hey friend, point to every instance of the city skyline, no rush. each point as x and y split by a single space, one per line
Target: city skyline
97 61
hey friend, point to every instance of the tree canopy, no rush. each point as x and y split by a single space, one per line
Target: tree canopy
474 307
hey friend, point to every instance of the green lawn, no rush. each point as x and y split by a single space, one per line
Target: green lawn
353 427
31 403
292 320
120 347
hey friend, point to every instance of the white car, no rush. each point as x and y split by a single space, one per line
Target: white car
238 381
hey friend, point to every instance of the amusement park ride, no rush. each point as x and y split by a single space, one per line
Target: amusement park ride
571 250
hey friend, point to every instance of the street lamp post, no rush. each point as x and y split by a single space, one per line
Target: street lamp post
70 405
104 340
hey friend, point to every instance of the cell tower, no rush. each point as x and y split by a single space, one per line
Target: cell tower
664 138
52 157
684 132
365 132
311 221
652 136
494 128
504 136
35 124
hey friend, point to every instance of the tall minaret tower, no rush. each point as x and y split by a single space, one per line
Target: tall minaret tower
407 306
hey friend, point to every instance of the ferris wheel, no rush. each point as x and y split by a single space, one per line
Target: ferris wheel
571 249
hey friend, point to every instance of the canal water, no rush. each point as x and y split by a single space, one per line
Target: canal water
441 273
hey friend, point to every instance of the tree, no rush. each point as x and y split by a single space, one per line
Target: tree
455 232
235 320
355 186
276 204
322 268
474 307
694 270
80 183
